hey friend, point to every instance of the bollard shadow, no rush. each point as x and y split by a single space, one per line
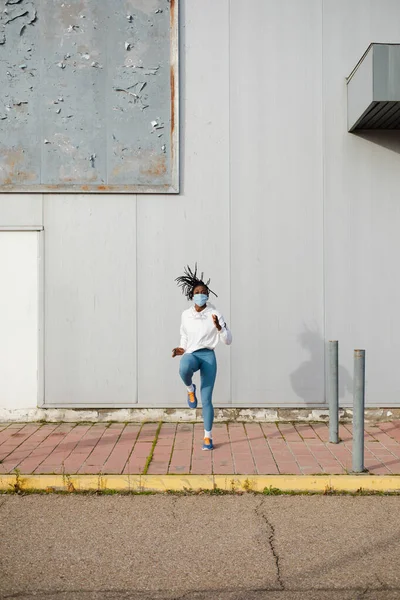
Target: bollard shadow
308 380
345 382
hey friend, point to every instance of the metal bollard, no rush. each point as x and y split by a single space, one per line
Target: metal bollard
358 411
333 391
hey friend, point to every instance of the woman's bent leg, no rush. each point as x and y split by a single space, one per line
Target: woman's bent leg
189 364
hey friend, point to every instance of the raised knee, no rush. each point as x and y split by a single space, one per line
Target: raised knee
184 363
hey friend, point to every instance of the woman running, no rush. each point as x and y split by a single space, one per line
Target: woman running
202 326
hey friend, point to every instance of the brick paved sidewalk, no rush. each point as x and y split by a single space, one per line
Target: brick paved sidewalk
242 449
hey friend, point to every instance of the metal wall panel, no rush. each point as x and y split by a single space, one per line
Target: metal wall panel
387 72
88 95
90 300
362 208
276 189
280 206
175 231
21 210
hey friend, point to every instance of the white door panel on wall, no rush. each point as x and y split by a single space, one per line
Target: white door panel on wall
19 324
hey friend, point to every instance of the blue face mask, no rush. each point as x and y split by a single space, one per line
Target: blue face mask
200 299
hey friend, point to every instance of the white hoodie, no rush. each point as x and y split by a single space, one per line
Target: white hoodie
198 330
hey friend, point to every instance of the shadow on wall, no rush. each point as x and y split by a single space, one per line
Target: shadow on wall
389 139
308 380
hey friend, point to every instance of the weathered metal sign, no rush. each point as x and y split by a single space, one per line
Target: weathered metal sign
89 96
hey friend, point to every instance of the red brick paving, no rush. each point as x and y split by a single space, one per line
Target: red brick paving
182 451
100 453
202 461
84 447
262 455
55 461
285 460
11 439
53 434
289 432
141 450
162 452
251 448
243 460
222 456
306 431
122 450
26 448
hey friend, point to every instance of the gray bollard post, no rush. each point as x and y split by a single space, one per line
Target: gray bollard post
358 411
333 391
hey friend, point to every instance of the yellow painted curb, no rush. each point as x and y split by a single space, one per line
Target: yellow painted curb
178 483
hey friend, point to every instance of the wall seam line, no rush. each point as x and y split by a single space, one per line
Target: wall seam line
137 303
230 195
323 198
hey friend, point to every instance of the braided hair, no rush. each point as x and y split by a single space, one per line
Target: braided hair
189 281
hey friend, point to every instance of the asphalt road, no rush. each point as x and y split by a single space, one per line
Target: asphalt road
199 547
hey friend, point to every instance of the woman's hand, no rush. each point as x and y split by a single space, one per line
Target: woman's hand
216 322
177 352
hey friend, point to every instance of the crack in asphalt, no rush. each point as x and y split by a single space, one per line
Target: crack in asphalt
271 542
173 507
381 583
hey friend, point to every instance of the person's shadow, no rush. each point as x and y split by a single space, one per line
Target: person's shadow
308 380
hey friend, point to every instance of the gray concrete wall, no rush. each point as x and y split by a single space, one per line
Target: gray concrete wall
295 220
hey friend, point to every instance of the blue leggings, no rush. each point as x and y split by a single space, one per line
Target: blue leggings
205 361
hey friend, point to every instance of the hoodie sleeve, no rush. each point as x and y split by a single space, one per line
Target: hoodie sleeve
225 334
184 338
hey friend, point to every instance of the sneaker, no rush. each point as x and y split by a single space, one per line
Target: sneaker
207 444
191 398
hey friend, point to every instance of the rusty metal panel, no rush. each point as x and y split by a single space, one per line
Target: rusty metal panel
89 96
